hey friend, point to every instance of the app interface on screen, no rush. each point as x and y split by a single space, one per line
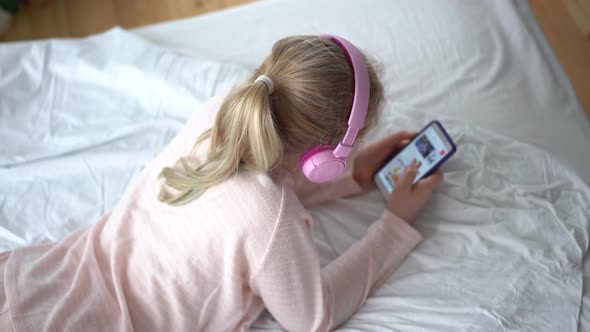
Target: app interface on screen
428 149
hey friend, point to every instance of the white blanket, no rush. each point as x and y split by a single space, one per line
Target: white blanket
78 119
504 236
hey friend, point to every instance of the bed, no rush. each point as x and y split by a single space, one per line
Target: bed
505 237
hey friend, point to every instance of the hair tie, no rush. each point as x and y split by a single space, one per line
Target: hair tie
266 81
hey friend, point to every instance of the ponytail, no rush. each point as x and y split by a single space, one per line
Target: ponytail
244 136
304 101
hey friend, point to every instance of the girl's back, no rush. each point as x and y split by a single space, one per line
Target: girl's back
158 267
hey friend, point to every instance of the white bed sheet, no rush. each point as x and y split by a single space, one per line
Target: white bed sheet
505 235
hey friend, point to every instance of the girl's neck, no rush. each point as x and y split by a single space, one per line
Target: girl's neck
290 163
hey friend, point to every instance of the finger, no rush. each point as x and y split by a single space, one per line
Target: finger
404 142
406 180
431 182
395 178
392 141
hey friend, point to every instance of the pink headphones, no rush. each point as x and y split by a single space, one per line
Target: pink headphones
325 162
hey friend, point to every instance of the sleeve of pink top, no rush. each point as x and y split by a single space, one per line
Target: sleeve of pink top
316 193
302 296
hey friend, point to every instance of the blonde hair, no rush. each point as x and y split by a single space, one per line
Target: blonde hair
253 130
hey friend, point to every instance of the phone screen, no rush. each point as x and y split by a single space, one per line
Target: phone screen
432 146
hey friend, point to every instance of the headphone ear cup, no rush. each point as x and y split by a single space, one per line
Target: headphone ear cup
320 165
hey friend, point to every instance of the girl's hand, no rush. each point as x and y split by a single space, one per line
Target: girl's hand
407 199
368 161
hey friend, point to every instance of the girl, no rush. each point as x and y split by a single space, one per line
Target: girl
206 244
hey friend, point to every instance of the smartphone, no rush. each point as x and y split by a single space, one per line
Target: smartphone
432 147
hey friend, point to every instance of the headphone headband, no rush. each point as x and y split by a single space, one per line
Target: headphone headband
325 163
360 102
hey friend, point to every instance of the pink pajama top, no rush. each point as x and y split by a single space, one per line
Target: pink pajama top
210 265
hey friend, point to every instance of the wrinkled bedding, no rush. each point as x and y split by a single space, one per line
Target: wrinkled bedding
504 238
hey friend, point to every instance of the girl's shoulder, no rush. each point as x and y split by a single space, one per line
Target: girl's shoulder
261 190
267 196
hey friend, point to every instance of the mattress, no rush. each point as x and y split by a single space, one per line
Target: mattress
504 237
